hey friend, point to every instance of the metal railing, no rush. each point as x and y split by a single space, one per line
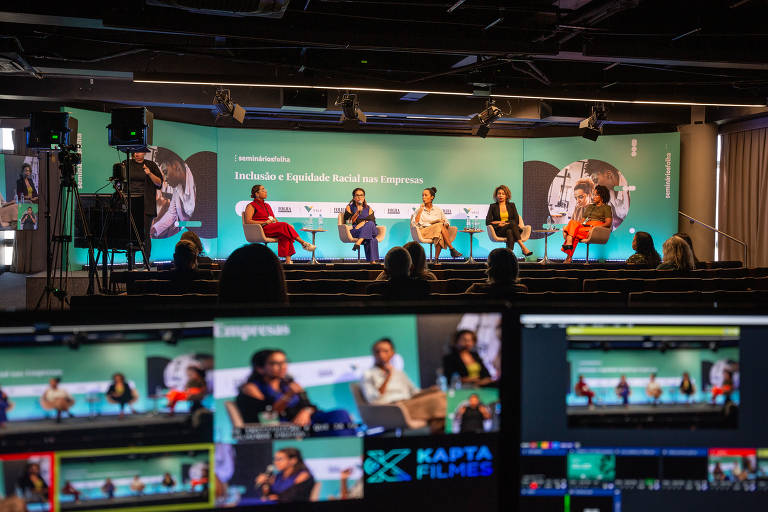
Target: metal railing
740 242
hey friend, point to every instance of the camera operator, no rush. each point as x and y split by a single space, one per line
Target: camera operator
146 178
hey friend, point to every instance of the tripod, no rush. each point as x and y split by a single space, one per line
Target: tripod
126 199
58 243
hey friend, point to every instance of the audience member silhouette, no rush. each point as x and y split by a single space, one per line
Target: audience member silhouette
503 272
252 274
400 285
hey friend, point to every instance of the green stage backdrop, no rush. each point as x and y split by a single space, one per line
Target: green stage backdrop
315 172
321 359
86 373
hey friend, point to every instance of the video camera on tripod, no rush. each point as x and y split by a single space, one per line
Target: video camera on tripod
50 132
69 159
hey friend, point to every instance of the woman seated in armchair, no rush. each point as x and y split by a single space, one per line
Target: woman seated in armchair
597 214
269 389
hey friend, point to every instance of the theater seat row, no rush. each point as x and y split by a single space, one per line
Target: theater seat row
741 299
544 284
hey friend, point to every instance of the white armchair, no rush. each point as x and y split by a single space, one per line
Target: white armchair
524 235
345 234
388 416
598 235
416 235
254 233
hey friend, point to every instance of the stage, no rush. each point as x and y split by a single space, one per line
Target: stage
144 500
98 431
648 415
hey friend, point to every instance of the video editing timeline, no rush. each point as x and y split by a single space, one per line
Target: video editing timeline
559 466
658 410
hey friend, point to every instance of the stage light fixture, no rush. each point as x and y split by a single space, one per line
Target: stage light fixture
130 129
350 109
225 107
592 127
447 93
49 129
485 119
171 337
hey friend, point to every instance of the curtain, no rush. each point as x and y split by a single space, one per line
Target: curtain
743 204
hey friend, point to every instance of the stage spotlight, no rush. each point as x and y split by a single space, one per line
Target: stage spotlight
130 128
350 109
225 107
77 339
485 119
170 337
592 127
49 129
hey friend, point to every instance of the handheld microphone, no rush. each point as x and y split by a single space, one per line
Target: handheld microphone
270 470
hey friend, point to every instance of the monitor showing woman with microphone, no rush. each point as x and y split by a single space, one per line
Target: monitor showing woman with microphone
271 395
287 479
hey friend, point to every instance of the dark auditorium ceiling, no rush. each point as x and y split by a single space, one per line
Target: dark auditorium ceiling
618 51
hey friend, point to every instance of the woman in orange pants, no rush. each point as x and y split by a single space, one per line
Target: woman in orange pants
596 214
259 212
194 391
725 389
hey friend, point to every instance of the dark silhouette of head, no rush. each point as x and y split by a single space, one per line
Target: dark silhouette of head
644 244
687 238
191 236
252 274
185 256
418 258
398 263
502 266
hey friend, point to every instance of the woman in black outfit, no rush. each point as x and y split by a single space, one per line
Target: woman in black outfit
25 186
503 216
120 392
465 361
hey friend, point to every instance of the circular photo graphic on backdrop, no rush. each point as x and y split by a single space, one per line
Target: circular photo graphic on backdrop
571 191
177 197
188 194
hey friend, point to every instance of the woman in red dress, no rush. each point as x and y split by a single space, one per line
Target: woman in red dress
259 212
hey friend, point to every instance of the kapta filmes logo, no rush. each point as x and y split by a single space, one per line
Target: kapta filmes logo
381 466
431 464
284 209
393 211
453 462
